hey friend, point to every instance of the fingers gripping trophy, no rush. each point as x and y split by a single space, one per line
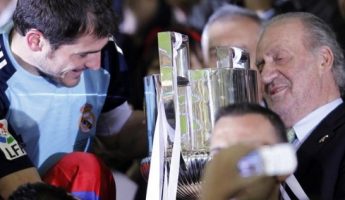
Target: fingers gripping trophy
180 105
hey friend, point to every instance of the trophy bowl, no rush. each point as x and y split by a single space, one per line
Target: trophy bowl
191 170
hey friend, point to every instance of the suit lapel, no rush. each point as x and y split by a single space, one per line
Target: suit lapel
319 138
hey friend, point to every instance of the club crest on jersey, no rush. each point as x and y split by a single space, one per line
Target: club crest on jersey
8 145
88 119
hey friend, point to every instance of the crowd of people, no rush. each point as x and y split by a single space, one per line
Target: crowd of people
71 83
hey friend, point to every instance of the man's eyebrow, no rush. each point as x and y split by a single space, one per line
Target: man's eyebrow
89 52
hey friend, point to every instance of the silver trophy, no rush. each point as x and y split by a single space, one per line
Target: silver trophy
192 98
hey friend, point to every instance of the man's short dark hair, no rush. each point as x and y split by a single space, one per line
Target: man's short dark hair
63 21
240 109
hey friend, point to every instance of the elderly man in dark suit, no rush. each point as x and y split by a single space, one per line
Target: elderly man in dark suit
302 68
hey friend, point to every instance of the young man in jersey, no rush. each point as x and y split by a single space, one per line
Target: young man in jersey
62 83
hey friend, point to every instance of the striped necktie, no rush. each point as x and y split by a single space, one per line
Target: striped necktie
291 189
291 136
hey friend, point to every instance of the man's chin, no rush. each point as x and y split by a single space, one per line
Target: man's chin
61 81
68 82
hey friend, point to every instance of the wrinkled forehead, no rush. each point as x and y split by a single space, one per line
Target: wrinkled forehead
286 31
291 26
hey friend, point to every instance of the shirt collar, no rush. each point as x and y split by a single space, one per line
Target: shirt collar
305 126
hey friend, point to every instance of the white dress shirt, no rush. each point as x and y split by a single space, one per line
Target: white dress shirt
305 126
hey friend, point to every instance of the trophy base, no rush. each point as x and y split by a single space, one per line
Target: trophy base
191 170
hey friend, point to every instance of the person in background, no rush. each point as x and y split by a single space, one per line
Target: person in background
239 129
231 25
302 69
63 82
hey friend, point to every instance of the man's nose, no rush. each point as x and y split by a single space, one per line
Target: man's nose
268 73
93 61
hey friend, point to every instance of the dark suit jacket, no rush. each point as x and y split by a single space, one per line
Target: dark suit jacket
321 158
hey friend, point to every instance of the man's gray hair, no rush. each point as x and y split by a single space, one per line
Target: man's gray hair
318 34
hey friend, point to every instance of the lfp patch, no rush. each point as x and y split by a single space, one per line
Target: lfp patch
8 145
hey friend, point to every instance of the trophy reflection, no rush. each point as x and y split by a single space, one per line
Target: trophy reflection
180 106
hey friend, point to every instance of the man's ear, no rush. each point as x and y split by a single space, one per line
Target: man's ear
34 40
326 59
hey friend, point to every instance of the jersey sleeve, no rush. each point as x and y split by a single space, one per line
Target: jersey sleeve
12 154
